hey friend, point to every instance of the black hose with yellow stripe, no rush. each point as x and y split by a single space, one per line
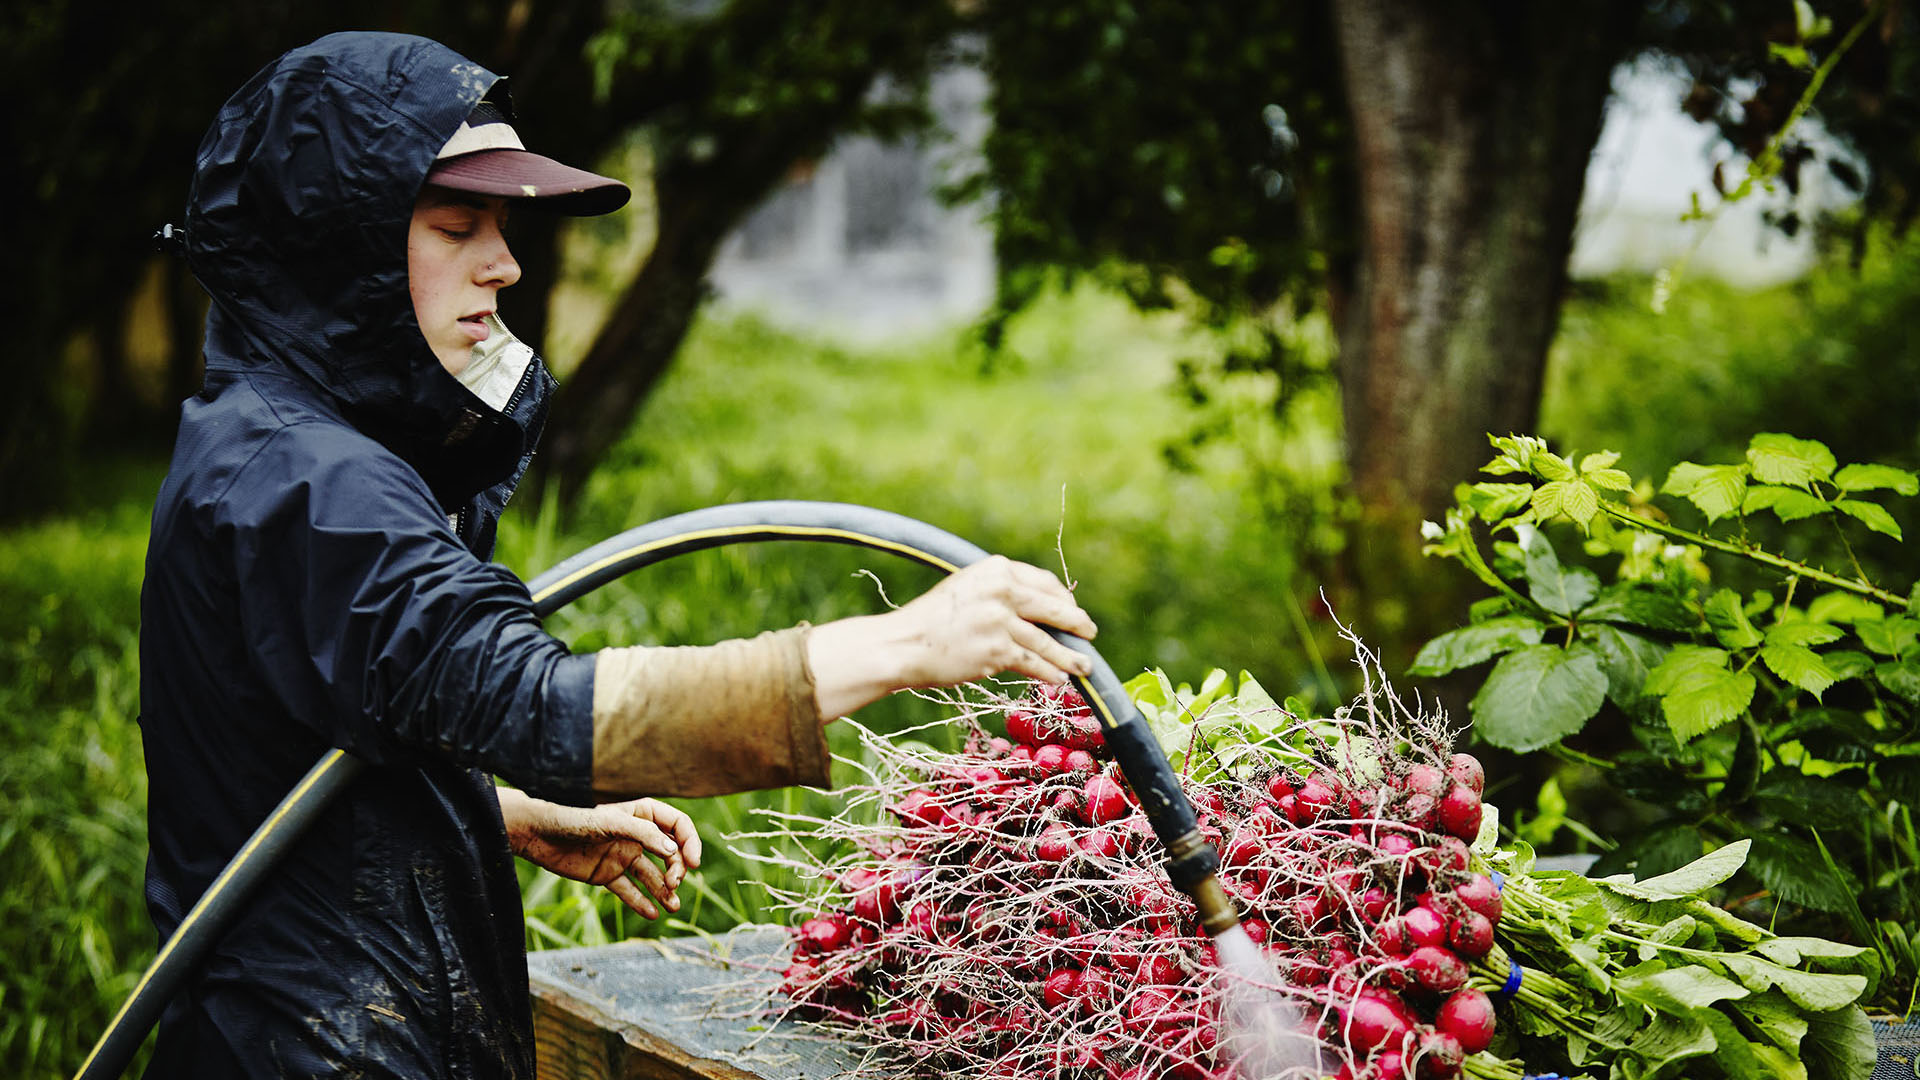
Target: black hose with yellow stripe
1191 862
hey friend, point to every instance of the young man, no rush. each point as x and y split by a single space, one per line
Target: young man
317 578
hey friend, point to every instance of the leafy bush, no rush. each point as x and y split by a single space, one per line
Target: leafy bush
1787 713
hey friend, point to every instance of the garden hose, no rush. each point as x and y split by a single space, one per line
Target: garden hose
1191 863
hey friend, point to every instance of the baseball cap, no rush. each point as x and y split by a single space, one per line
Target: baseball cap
487 157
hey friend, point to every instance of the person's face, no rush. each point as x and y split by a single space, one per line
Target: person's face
457 262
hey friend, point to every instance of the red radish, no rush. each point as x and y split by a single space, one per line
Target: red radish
1101 843
1161 970
1059 986
1279 787
1055 844
1312 802
1051 758
1244 851
1392 937
1020 727
1373 904
1479 894
1426 780
1420 811
1389 1065
1471 935
1425 927
1396 846
823 934
921 919
1460 812
1023 752
1256 928
1372 1022
1468 1017
1104 800
1440 1056
1451 853
1466 769
1437 969
1079 761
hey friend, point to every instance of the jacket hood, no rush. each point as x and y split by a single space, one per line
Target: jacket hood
297 223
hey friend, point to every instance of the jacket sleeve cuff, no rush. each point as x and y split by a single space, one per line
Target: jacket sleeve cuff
707 720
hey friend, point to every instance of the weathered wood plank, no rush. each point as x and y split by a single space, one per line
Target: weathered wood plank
681 1010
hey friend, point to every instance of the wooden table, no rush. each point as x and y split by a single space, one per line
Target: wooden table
683 1009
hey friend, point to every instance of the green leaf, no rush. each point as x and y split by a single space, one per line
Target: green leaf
1475 644
1605 459
1873 515
1490 608
1550 466
1778 1020
1811 990
1626 658
1888 637
1842 607
1729 621
1640 605
1665 1040
1803 633
1900 778
1839 1044
1561 590
1847 664
1697 876
1796 873
1538 695
1877 477
1492 501
1900 676
1678 990
1698 692
1790 795
1800 666
1716 489
1580 503
1783 459
1788 504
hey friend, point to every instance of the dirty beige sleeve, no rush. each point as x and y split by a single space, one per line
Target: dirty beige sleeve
707 719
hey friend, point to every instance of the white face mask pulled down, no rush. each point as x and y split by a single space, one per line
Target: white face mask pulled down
498 365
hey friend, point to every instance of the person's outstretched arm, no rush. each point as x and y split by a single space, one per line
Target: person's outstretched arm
742 715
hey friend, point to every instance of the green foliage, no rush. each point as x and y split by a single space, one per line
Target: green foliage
1631 978
72 784
1767 716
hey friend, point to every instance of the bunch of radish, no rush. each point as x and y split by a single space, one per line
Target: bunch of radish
1004 912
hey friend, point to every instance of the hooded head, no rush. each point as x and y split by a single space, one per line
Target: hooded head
297 222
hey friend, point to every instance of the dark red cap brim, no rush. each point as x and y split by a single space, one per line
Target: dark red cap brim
522 174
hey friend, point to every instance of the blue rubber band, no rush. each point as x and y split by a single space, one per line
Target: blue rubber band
1514 974
1499 881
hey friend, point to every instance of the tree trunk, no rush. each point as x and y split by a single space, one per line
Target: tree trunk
1473 124
639 339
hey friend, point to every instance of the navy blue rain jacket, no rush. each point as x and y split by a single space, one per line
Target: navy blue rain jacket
316 578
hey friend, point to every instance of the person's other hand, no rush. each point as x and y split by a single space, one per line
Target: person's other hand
977 622
607 845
